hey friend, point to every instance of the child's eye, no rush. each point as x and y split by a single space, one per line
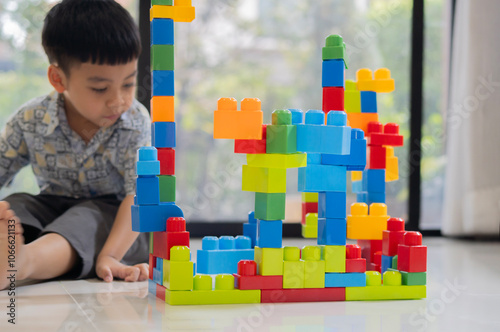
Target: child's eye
99 90
128 86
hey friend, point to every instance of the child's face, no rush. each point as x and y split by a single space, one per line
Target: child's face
100 93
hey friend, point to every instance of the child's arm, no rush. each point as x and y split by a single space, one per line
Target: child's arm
120 239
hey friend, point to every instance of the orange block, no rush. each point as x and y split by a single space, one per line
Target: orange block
162 109
364 226
361 120
229 123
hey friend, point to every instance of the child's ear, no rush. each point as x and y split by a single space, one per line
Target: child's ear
57 78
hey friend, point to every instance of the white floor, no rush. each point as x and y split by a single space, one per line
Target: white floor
463 295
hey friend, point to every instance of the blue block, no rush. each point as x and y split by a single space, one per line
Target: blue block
345 279
147 190
221 255
333 73
308 134
159 264
332 232
368 102
356 159
316 178
162 83
369 198
297 116
163 134
162 31
251 217
269 233
332 204
336 136
151 287
147 168
152 218
386 263
357 187
157 277
250 230
374 180
313 158
147 153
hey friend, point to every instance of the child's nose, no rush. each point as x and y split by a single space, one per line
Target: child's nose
116 100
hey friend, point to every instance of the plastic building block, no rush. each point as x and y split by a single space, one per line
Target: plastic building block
332 205
376 157
373 278
334 257
285 161
166 157
391 165
162 83
413 279
293 268
162 31
167 188
334 49
229 123
356 159
374 180
393 236
345 280
308 207
254 146
224 292
383 81
152 287
314 267
147 190
269 233
281 135
247 277
357 188
352 97
147 161
361 120
163 134
175 235
162 2
221 255
332 232
162 57
333 99
151 264
356 176
157 277
162 109
333 73
385 293
264 180
151 218
309 134
304 295
269 261
368 101
250 229
178 271
314 158
369 248
297 116
160 292
354 263
370 197
384 135
310 227
412 255
391 278
177 13
309 197
336 136
367 227
395 262
317 178
386 263
270 206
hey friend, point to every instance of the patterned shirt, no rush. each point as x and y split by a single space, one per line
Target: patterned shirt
63 164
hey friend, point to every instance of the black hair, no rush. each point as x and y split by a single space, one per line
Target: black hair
99 31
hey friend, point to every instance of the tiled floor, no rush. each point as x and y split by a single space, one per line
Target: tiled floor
463 295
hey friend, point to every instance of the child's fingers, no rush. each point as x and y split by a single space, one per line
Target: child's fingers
105 273
144 271
133 273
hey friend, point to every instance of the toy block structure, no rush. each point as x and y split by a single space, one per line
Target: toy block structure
324 145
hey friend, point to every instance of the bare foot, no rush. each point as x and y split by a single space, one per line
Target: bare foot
11 247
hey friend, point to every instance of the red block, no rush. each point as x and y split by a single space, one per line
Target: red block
389 135
152 265
333 99
258 282
393 236
251 146
368 250
167 161
412 255
376 157
160 292
163 241
303 295
355 265
375 267
352 251
308 207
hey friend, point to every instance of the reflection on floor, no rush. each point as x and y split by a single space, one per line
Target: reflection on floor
463 295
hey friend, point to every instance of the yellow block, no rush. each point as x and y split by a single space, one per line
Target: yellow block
269 261
361 120
352 98
334 257
310 231
361 226
177 13
356 175
385 293
162 109
391 165
276 160
314 267
309 197
293 268
264 180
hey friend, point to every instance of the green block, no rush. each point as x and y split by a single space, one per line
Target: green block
334 49
414 278
269 261
151 242
270 206
167 188
162 2
385 293
281 139
394 263
334 257
281 117
162 57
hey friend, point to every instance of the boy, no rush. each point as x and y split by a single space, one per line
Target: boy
81 141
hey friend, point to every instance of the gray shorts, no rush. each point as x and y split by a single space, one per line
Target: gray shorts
84 222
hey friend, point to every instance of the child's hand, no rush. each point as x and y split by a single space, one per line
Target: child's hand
108 267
